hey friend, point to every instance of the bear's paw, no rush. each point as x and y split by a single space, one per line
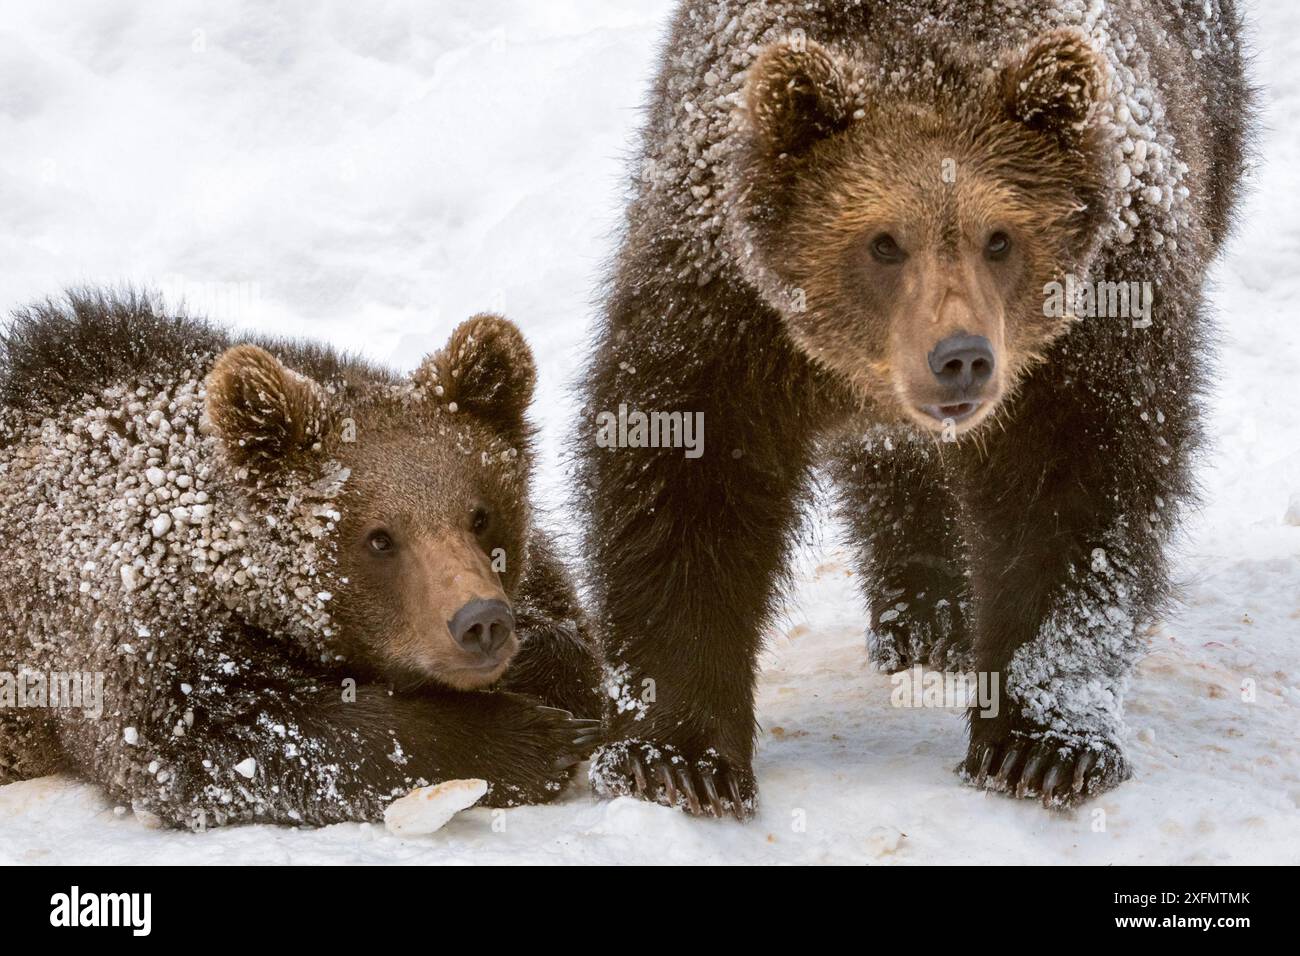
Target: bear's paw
704 785
933 634
1042 766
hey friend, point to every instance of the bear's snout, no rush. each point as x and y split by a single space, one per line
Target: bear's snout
958 383
482 626
963 364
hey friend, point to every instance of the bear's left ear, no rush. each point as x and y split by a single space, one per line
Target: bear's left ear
269 418
487 370
1053 85
797 94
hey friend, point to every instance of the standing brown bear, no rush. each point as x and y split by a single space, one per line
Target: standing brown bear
258 581
953 251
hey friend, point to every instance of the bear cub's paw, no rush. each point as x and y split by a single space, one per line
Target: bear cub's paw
927 629
547 745
1039 764
703 785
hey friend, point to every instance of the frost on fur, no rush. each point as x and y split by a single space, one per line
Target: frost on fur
830 197
180 514
268 415
1053 87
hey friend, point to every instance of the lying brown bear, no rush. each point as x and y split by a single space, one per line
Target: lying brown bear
295 576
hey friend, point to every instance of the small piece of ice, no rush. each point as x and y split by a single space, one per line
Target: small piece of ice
884 840
1292 516
428 809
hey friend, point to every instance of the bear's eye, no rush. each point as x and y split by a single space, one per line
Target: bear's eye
379 541
479 520
885 249
998 246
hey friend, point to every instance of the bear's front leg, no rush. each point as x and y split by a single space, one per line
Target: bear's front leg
558 662
897 502
1070 507
1062 656
258 740
686 546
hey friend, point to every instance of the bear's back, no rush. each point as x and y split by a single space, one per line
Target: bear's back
112 500
56 353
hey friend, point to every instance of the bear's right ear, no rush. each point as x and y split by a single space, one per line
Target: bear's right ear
269 418
487 370
797 94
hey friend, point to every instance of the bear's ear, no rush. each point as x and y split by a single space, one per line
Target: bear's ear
797 94
268 417
487 370
1053 85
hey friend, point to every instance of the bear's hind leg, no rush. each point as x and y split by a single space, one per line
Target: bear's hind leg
901 515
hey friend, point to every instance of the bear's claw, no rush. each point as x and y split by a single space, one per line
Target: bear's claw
1059 775
581 736
659 774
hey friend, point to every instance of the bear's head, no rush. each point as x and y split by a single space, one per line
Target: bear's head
905 217
392 515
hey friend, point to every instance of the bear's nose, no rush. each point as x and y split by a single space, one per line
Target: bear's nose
962 362
482 626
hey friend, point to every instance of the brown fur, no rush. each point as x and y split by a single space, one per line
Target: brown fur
269 416
213 556
395 607
449 572
781 140
872 324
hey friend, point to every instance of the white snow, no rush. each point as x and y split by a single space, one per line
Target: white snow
373 174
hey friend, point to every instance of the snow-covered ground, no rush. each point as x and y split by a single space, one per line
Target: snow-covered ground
372 173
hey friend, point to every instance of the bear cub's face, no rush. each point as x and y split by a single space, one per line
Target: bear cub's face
432 538
432 507
906 232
